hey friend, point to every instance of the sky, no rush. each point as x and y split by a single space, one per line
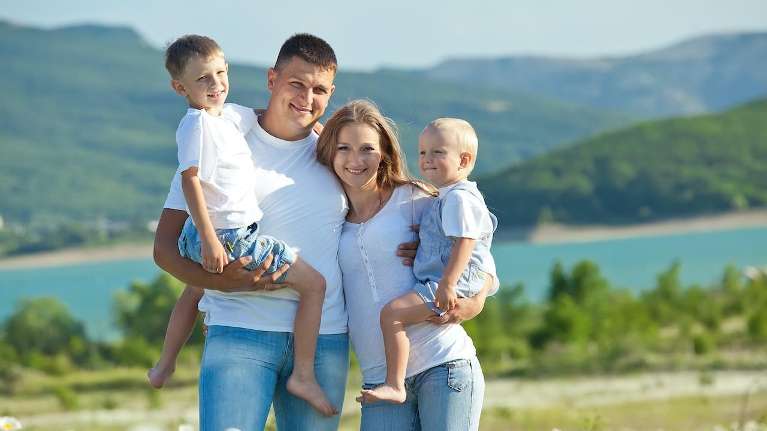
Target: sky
410 33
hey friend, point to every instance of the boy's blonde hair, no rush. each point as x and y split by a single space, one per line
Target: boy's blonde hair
179 52
461 132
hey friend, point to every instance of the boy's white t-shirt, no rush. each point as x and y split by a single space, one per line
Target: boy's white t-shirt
303 205
465 216
216 146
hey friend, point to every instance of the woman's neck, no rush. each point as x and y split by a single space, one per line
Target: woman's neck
365 203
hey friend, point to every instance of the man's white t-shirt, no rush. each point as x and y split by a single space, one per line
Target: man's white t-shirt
303 205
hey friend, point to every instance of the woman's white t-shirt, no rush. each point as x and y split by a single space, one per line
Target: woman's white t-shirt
373 275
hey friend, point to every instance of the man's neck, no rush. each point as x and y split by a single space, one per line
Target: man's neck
281 129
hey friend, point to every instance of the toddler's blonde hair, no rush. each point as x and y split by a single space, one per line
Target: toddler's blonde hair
460 132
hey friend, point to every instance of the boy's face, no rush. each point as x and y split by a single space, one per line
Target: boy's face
204 83
300 92
440 160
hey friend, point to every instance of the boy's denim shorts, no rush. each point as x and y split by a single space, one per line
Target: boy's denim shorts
239 242
469 284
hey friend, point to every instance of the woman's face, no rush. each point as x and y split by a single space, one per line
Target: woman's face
358 154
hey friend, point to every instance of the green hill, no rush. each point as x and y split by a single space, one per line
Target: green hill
703 74
654 170
87 130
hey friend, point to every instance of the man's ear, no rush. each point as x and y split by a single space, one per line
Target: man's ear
178 87
271 77
332 89
466 158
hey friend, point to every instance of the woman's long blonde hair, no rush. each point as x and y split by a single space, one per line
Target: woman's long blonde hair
392 171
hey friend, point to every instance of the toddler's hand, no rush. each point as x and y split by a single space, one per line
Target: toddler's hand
446 298
214 257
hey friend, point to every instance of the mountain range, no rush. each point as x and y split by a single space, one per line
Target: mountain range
87 130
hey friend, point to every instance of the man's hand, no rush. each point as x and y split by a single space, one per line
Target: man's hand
446 297
214 257
257 279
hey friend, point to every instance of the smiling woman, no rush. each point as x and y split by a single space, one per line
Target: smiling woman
358 155
443 374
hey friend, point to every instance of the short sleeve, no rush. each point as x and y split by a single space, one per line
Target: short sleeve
175 199
465 216
242 117
196 146
420 202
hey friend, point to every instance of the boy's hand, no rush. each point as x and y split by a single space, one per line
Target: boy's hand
446 297
214 257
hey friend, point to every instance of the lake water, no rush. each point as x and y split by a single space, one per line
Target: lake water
633 263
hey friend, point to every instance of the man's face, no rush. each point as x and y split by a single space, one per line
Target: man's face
300 92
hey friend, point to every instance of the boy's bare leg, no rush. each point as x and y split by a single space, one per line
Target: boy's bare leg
395 316
302 383
180 327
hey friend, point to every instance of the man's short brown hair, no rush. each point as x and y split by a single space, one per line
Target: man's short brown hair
309 48
185 47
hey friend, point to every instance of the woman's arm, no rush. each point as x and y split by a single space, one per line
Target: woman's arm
467 308
235 276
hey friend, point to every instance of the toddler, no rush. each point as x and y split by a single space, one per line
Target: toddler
453 258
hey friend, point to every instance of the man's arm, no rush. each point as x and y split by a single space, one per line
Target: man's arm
235 276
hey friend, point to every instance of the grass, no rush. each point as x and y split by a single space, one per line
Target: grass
104 406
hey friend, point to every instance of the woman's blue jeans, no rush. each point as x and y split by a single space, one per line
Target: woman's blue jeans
244 371
447 397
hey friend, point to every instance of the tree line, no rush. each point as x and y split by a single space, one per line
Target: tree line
583 325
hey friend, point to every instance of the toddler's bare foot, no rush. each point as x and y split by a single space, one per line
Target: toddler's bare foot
309 390
159 375
385 392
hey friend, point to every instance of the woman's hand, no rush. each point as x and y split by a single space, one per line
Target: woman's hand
466 308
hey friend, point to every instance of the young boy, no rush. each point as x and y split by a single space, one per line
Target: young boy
453 258
217 177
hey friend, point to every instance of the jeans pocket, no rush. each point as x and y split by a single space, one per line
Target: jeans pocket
458 374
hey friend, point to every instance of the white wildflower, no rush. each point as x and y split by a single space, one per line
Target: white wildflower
8 423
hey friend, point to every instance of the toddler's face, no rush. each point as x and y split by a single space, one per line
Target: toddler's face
439 159
204 83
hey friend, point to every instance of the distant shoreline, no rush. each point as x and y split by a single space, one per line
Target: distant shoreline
546 234
74 256
558 233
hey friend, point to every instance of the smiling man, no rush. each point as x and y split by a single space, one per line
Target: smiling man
248 352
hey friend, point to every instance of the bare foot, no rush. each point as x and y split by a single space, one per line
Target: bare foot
384 392
311 392
159 375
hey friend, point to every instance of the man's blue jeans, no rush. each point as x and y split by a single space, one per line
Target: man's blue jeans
244 371
447 397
